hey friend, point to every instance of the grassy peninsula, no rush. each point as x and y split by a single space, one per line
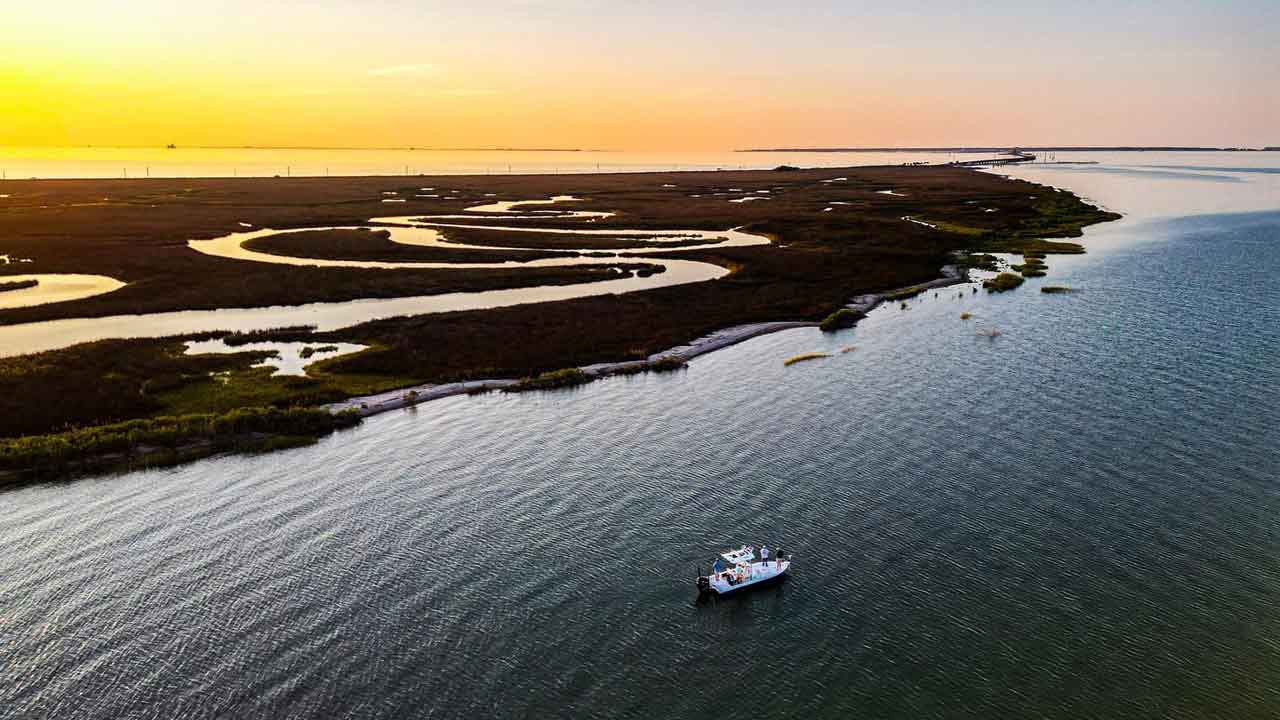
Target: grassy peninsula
72 402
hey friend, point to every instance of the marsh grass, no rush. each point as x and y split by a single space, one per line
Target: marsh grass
802 357
904 294
840 319
1002 282
957 228
243 427
981 261
566 377
820 267
308 351
668 363
18 285
280 334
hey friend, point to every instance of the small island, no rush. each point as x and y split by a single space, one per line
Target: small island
6 285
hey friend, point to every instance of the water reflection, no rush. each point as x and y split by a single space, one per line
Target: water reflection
52 288
288 358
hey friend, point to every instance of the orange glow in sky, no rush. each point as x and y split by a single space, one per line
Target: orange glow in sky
633 75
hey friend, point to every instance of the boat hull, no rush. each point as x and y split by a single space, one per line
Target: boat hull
744 587
769 574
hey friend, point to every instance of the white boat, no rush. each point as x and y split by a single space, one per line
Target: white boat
744 571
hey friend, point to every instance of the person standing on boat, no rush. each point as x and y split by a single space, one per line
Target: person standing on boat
764 553
716 567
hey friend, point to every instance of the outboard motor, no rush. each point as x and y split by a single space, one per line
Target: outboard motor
704 584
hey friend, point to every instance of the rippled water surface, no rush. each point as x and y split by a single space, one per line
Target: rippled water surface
1074 519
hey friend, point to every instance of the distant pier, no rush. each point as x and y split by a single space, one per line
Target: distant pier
1016 156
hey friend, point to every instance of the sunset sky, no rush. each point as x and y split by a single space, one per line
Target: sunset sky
637 75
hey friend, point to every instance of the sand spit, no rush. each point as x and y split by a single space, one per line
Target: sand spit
396 399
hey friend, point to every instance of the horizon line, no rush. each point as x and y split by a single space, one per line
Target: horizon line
413 148
1006 148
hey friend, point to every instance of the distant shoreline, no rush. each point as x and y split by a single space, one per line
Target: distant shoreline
826 225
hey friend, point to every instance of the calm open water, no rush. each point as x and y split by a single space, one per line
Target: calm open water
1076 519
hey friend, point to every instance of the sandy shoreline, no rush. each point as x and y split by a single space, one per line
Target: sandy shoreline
368 405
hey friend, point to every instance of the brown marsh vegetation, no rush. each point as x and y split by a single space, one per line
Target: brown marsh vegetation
139 234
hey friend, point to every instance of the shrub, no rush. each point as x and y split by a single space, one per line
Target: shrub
1002 282
308 351
842 318
566 377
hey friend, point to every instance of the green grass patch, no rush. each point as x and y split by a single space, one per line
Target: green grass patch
904 294
252 387
958 228
1002 282
240 428
1021 246
840 319
567 377
1058 215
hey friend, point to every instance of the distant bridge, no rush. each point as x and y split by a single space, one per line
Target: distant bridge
1015 156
